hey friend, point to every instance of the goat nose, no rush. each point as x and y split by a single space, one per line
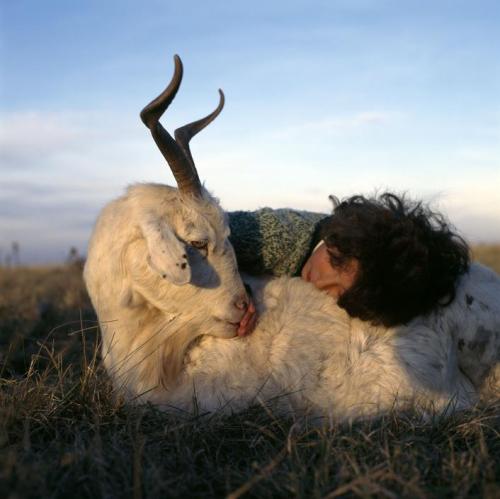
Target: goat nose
241 303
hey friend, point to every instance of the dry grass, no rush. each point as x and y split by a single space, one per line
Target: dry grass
488 254
63 434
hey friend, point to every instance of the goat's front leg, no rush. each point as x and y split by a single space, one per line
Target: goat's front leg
166 253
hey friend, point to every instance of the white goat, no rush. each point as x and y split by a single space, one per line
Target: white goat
163 279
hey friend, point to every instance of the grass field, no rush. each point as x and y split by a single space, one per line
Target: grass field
62 433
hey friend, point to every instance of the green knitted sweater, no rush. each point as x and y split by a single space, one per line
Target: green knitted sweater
276 242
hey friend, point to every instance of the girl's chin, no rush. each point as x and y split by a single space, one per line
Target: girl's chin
307 276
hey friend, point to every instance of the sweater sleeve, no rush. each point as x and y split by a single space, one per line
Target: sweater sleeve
276 242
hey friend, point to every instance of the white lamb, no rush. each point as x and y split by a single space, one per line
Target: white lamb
163 279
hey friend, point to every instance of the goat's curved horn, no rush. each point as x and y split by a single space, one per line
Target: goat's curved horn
185 133
180 163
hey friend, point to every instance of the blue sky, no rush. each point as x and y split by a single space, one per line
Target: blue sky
322 97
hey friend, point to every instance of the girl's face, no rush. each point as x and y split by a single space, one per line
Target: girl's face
320 271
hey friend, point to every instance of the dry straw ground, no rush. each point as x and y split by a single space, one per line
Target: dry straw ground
62 434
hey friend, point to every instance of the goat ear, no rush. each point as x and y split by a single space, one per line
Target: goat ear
166 254
172 355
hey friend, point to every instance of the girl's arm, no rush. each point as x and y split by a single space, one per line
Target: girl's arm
276 242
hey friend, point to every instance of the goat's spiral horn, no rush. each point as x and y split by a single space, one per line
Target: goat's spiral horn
177 152
184 134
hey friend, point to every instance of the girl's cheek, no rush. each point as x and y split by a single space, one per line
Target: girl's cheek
334 292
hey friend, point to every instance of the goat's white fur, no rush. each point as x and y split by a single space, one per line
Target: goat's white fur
306 353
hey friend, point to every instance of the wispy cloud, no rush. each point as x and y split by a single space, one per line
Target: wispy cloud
334 125
27 136
60 168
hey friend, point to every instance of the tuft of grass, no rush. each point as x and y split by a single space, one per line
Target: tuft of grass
63 433
40 304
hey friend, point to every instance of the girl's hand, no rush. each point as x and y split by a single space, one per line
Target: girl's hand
247 323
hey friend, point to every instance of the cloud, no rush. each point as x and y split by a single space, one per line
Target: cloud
35 140
336 125
44 223
28 136
60 168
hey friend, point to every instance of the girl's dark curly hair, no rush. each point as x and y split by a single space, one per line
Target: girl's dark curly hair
409 257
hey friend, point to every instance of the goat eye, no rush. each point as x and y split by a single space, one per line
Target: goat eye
202 245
